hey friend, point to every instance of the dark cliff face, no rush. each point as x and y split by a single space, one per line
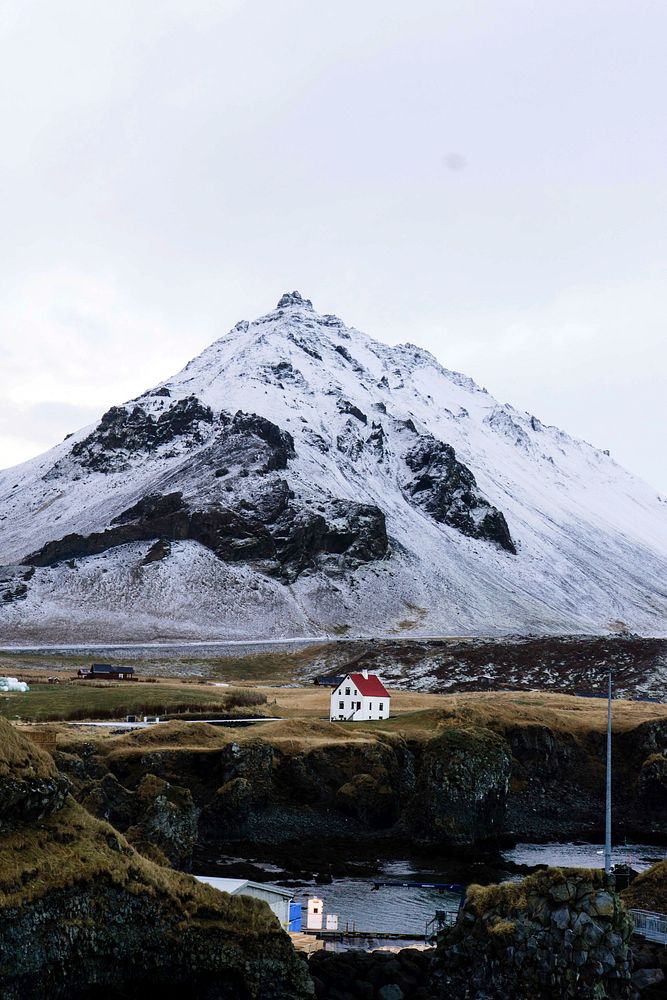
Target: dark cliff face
122 434
462 786
558 782
459 787
82 913
241 510
451 790
269 529
447 490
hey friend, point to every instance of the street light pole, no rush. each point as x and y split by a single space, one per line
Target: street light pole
607 828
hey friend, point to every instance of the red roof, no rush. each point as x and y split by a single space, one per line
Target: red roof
370 687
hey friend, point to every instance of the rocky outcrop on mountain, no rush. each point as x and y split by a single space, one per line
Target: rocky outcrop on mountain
266 526
123 433
83 914
447 490
270 529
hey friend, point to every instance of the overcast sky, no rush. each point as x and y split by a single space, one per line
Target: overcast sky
487 179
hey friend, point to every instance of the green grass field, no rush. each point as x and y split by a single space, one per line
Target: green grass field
80 700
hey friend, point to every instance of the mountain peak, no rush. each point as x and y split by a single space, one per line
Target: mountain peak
294 300
298 475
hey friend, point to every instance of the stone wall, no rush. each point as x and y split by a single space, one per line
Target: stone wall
561 933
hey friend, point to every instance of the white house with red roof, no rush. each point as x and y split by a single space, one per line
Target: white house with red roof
359 698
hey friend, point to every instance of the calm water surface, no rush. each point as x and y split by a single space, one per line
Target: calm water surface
399 909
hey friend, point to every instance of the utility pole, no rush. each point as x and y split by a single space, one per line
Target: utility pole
607 827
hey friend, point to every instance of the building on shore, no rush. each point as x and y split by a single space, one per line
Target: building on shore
279 899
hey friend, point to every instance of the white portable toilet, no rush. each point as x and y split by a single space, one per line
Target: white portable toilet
332 921
314 916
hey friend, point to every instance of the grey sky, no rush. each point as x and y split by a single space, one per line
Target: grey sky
486 179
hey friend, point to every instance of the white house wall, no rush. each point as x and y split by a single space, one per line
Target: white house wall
357 707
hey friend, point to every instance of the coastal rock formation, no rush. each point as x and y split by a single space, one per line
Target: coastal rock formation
561 933
159 819
461 787
308 779
82 913
363 975
30 786
476 771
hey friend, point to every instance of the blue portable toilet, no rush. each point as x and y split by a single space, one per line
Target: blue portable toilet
295 917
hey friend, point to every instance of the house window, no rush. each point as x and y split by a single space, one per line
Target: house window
341 704
381 705
347 690
355 692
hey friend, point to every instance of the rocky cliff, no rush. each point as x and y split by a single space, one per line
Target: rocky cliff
82 913
459 778
560 933
294 780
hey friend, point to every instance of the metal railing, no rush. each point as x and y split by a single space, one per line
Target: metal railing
652 926
442 919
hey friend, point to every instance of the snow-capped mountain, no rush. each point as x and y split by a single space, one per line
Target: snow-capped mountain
300 478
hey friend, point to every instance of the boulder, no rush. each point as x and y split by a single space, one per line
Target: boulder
503 946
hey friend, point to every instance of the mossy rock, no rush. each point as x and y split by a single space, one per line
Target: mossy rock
368 800
30 785
82 912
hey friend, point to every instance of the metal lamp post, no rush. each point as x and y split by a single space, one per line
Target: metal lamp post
607 827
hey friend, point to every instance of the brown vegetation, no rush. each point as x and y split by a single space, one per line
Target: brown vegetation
649 890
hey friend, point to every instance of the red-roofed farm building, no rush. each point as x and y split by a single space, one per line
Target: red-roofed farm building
359 698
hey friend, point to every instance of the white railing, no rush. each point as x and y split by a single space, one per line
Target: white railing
652 926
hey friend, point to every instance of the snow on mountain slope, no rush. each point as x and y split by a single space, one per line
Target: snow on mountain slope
300 478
